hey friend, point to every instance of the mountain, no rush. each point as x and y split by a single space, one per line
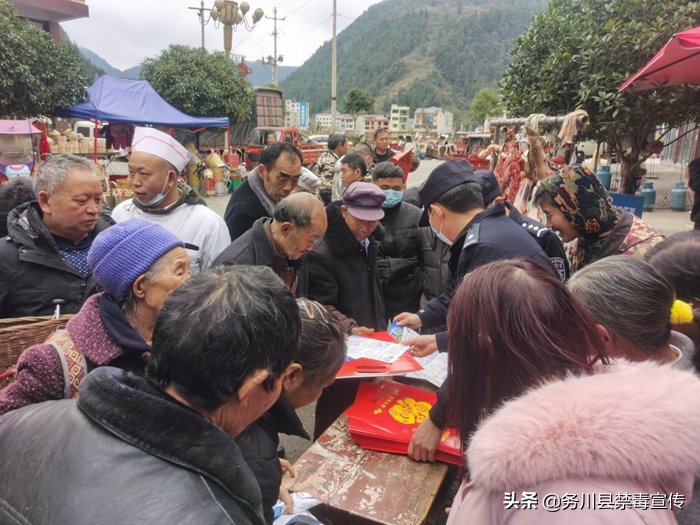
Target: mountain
262 74
100 62
417 53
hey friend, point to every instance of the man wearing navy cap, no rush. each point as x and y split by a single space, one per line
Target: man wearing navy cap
454 209
546 238
343 273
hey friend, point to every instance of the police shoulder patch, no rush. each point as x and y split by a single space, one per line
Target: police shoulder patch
472 236
559 266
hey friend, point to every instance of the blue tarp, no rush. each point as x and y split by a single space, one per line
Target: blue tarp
126 101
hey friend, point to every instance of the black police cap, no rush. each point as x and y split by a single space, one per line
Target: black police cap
441 180
489 185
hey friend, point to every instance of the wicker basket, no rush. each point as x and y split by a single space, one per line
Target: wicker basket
18 334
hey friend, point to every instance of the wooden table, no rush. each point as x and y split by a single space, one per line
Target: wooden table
363 486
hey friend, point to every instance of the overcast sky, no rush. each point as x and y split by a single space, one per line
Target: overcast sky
124 32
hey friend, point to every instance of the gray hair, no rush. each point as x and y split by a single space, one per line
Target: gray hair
336 139
52 173
629 297
297 209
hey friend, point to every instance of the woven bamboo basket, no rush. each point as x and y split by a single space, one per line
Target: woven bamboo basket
18 334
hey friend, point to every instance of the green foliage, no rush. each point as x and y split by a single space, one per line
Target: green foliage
417 53
91 70
200 83
358 101
369 56
485 104
578 54
36 74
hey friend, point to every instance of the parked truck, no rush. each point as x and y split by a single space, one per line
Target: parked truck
249 137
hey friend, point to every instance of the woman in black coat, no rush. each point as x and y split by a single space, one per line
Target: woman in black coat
321 354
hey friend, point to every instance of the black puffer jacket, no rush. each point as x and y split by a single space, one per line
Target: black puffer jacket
436 269
401 260
258 444
345 276
122 452
33 272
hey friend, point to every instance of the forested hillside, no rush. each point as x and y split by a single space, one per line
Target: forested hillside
417 53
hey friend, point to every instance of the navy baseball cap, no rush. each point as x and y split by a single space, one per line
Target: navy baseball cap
441 180
489 185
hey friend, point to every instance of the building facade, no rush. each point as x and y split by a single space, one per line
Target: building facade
368 124
343 122
47 14
433 120
297 114
398 121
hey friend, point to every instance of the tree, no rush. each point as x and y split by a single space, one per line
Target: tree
36 74
200 83
578 53
485 104
358 101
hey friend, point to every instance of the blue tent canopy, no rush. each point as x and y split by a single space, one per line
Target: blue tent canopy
121 100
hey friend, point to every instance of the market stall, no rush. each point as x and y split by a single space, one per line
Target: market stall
125 101
18 151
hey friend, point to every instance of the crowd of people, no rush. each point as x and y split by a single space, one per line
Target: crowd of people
196 339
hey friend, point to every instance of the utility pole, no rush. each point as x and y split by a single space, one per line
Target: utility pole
276 58
200 12
333 72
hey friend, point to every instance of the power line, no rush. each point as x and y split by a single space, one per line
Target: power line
307 32
299 8
349 18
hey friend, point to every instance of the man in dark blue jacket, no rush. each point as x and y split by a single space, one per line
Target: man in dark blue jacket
454 209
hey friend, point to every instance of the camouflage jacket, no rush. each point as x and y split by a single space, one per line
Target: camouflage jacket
325 169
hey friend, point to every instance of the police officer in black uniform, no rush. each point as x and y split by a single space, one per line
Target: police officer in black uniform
546 238
454 209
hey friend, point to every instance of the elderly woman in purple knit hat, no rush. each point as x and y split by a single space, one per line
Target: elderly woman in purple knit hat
137 263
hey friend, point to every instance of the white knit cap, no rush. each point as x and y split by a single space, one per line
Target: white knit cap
161 145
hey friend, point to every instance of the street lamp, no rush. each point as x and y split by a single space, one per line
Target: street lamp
231 15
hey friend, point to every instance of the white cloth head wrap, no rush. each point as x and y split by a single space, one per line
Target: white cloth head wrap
149 140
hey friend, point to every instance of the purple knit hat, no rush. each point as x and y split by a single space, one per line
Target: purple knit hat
126 250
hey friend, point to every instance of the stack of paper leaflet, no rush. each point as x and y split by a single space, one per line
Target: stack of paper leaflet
377 355
386 413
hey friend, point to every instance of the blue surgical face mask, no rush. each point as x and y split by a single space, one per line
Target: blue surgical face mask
155 201
439 234
393 198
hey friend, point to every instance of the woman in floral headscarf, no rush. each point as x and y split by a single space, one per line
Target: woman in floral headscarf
578 207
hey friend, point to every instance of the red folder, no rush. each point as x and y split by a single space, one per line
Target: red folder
370 368
385 414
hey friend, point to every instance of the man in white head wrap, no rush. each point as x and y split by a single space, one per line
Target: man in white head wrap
155 164
308 182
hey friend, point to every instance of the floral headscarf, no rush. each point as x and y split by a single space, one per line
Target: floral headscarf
585 203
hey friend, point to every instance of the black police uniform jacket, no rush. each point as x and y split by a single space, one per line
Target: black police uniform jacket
490 236
122 452
345 276
33 272
546 238
258 444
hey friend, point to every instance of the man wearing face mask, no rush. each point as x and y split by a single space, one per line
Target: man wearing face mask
155 165
400 257
454 209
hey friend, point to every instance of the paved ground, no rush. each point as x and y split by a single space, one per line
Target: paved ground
666 221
